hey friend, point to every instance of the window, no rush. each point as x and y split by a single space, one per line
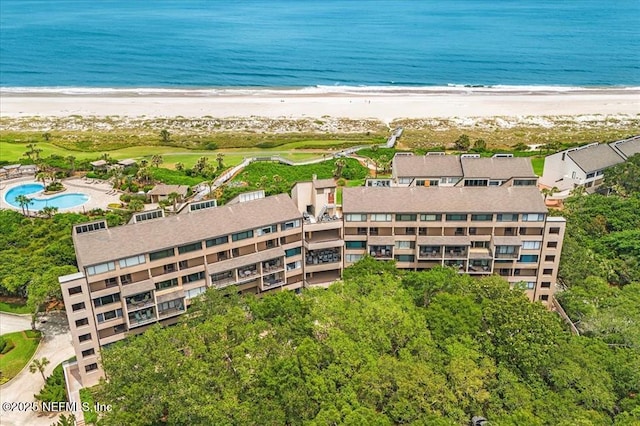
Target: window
271 243
291 225
480 244
544 297
106 316
505 249
77 306
81 322
85 337
190 294
167 284
430 217
266 230
80 229
193 277
405 244
222 276
190 247
495 182
410 231
111 282
547 271
242 235
362 231
373 231
456 217
530 285
528 258
171 304
531 245
293 251
473 231
132 261
183 264
161 254
203 205
88 352
217 241
524 182
91 367
545 284
459 231
353 257
170 267
294 265
101 268
476 182
355 244
355 217
381 217
405 257
591 175
549 258
406 217
554 230
552 244
149 215
481 217
533 217
507 217
75 290
126 279
106 300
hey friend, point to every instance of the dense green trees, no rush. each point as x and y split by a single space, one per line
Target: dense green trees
381 347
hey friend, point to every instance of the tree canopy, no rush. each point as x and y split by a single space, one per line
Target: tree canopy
381 347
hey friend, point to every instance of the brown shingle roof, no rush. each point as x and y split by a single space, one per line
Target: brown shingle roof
596 157
628 147
497 168
427 166
138 238
162 189
443 200
324 183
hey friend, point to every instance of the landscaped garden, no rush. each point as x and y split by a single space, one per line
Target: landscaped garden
16 349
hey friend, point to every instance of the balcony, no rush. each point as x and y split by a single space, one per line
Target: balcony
139 318
139 301
272 265
381 252
223 279
430 252
273 280
480 266
460 265
247 273
510 256
455 252
317 257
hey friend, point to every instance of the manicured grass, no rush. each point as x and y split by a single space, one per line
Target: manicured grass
14 308
14 361
538 165
173 177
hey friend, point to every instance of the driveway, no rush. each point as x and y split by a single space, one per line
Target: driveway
56 347
12 323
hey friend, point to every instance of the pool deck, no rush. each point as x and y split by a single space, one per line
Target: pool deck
100 193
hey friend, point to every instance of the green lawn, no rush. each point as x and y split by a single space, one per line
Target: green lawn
14 361
90 416
14 308
538 165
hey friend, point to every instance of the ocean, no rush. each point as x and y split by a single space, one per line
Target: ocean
323 44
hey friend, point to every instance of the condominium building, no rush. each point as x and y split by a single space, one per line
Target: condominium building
437 169
479 231
148 271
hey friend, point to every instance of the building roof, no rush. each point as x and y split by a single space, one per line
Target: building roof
143 237
442 199
98 163
127 162
427 166
162 189
628 147
324 183
497 168
595 157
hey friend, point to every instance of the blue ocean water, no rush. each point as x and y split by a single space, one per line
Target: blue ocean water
300 43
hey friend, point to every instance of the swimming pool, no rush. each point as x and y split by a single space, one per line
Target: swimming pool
62 201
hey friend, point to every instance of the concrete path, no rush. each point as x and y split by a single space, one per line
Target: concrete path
11 323
56 347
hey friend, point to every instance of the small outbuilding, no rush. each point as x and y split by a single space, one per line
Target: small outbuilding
162 191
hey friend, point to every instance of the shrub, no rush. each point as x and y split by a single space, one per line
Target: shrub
54 387
125 198
54 186
92 175
3 343
7 347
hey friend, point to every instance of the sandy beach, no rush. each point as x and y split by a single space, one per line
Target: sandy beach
385 106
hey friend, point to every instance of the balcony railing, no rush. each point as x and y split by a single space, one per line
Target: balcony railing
142 317
455 253
170 312
506 255
273 280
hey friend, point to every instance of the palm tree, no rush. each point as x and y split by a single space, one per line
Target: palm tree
46 136
220 160
144 162
42 176
49 211
143 175
179 166
337 173
547 192
165 136
174 197
163 204
136 205
72 163
200 165
38 365
156 160
24 201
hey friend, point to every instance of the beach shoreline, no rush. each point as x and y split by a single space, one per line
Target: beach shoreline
385 104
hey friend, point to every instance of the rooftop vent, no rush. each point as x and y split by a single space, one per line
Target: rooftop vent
436 153
470 156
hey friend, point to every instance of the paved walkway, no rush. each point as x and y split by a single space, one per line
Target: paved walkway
56 347
11 323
